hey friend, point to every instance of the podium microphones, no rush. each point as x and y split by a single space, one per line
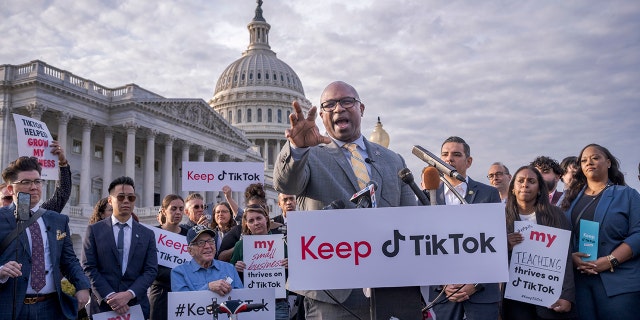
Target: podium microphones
435 161
407 177
335 204
431 182
366 198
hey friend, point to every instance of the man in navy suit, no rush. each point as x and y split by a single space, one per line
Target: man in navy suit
119 255
480 300
44 254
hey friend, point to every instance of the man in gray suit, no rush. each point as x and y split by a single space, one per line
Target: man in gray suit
479 300
318 170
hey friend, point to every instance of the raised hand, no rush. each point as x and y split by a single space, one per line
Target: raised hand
303 131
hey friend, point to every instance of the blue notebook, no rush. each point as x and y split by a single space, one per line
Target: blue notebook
589 239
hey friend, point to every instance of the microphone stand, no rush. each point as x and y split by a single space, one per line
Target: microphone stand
453 189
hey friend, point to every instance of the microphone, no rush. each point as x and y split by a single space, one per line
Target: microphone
431 182
366 198
435 161
368 160
335 204
407 177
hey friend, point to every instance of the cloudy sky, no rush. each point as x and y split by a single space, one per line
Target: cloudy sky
516 79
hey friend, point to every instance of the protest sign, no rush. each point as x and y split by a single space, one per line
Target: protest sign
172 247
536 270
215 175
192 305
262 255
134 313
33 141
395 247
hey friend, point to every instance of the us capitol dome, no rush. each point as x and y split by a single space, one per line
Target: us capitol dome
255 92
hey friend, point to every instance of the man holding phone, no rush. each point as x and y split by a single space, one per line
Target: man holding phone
41 254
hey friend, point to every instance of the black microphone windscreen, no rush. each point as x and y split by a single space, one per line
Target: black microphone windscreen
406 176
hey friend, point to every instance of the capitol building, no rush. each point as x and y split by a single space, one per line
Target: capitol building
128 130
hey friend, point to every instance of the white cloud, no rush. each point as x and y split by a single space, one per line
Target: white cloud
517 79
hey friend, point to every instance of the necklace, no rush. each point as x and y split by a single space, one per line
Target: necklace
595 194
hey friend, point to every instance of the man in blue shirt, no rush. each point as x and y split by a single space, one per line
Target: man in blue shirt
203 272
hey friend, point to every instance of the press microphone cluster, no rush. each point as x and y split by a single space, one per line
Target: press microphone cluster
436 162
334 205
366 198
407 177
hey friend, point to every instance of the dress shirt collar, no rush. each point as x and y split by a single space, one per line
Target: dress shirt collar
129 222
450 197
359 142
194 266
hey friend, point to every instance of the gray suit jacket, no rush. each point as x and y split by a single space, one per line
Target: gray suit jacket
324 174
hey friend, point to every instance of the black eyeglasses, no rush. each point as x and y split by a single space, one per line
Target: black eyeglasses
346 103
28 182
498 174
201 243
130 197
200 206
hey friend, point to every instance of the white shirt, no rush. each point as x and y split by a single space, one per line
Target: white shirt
450 198
529 217
127 239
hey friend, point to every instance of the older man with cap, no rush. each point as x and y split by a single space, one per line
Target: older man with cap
203 272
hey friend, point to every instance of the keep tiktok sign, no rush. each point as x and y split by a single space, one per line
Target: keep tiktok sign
215 175
537 267
396 247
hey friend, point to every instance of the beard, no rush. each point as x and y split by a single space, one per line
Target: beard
551 185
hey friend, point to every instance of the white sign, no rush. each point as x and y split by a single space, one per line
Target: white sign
171 247
212 176
33 141
396 247
262 255
192 305
134 313
536 271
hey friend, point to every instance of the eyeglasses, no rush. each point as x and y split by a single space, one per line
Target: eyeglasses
201 243
130 197
200 206
498 174
222 211
346 103
28 182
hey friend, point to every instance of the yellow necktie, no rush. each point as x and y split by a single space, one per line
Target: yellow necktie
358 166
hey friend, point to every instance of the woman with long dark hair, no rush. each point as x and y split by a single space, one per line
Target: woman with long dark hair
169 216
528 200
607 286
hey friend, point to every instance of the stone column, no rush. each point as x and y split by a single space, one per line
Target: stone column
85 167
130 156
265 154
63 122
167 167
149 171
185 158
108 161
36 110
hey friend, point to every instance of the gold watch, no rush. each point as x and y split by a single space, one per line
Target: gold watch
613 262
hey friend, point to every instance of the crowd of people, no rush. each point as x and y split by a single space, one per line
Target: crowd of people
119 266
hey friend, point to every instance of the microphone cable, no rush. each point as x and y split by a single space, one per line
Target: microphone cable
435 301
341 305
